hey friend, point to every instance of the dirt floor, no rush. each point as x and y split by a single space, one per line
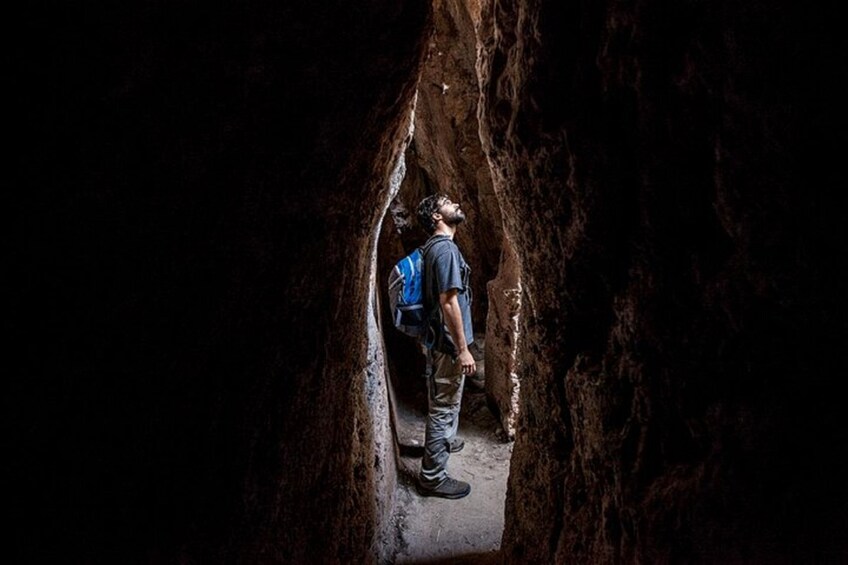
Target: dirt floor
435 530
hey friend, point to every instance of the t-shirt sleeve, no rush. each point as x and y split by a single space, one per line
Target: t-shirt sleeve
448 274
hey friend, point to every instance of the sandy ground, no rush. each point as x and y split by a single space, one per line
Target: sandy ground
468 530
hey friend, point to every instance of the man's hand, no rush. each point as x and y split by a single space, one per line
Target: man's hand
466 360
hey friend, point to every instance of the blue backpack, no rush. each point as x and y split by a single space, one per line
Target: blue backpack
406 294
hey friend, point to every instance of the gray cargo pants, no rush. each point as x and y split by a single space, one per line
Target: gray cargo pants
443 399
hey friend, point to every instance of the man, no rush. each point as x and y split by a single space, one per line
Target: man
447 297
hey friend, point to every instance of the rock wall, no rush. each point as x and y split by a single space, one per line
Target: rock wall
662 171
195 195
503 333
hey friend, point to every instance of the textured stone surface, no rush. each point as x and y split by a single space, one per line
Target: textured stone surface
197 195
193 201
503 374
654 171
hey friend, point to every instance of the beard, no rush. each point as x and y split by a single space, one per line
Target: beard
454 218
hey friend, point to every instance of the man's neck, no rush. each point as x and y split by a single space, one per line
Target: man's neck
444 229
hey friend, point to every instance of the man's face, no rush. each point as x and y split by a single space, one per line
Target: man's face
451 213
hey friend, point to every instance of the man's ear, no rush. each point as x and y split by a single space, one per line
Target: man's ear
436 217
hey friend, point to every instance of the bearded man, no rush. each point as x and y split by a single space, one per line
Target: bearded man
447 297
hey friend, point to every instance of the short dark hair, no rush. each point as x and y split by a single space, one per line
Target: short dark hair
426 209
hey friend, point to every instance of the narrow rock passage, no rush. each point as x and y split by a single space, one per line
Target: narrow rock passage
468 530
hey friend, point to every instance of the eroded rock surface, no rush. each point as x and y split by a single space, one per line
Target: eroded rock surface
194 198
652 165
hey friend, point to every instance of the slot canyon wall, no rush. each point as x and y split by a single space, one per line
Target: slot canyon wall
195 198
664 171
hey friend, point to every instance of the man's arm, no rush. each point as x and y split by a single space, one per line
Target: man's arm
453 318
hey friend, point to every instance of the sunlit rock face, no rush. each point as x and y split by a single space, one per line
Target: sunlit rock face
677 347
503 373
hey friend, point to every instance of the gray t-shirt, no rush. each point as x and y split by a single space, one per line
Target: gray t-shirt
445 268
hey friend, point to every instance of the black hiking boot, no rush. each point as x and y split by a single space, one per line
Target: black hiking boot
450 488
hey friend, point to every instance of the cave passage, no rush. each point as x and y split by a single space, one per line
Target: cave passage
445 155
193 197
432 528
